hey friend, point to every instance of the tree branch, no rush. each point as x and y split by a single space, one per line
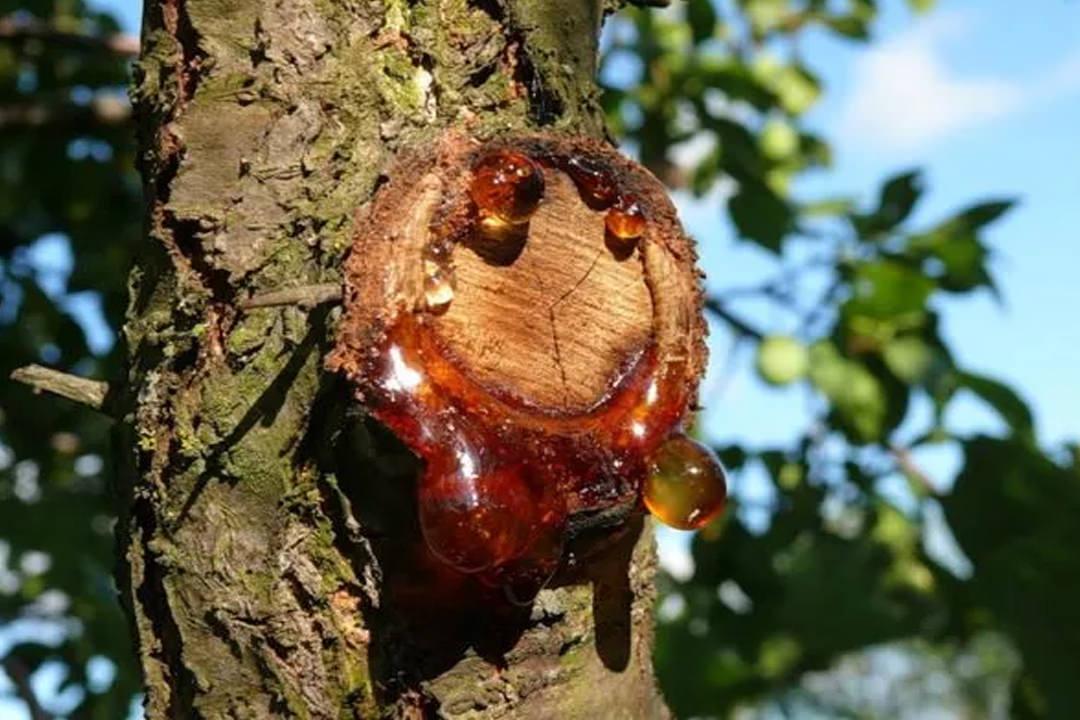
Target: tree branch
92 393
17 671
19 31
738 324
905 462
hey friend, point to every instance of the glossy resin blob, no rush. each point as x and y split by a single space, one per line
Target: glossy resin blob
525 316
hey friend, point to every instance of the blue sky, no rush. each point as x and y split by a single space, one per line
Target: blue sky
986 99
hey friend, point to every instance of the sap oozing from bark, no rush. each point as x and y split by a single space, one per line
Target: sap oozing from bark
503 475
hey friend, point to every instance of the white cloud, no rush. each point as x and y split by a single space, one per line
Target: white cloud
905 96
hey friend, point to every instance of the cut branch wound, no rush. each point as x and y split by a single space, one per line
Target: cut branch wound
526 316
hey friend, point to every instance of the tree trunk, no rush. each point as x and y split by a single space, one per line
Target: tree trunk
257 524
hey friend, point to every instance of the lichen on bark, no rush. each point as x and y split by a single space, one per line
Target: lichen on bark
250 494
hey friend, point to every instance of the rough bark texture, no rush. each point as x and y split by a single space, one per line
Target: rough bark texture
257 505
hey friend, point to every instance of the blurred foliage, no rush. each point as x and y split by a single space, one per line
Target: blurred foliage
800 615
70 215
787 601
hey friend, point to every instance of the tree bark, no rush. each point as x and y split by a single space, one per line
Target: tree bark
257 519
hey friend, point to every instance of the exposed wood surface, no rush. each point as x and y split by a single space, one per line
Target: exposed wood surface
556 326
553 324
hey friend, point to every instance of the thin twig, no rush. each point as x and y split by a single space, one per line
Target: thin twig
824 305
741 327
91 393
905 461
780 287
305 296
19 675
20 30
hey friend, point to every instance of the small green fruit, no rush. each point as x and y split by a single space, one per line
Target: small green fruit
782 360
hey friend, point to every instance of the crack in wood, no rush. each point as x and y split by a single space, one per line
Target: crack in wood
555 331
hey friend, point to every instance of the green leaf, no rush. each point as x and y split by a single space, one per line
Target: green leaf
797 88
815 152
864 9
740 155
766 15
736 81
702 17
1010 406
978 216
887 290
955 245
1014 512
858 397
850 26
761 216
794 85
899 196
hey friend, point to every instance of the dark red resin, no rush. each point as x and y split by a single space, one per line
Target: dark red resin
625 218
596 184
500 478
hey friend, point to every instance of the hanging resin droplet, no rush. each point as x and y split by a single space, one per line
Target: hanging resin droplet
626 220
475 515
686 486
438 286
507 185
596 185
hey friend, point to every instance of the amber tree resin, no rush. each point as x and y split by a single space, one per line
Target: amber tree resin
685 486
506 185
543 379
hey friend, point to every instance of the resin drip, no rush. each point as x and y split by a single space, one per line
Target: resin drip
500 479
686 486
625 219
507 185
